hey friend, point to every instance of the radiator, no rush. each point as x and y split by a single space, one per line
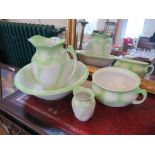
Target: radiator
15 49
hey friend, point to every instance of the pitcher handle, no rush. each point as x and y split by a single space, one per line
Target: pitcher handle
151 70
144 93
73 53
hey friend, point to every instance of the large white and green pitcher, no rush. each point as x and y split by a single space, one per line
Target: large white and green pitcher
51 63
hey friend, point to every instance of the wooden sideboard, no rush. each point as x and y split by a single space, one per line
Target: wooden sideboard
13 118
25 114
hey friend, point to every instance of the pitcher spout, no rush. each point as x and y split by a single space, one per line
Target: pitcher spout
38 40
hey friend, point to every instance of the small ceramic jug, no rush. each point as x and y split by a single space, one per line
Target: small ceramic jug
83 103
51 64
99 45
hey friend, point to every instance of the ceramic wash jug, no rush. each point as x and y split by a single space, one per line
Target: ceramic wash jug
83 103
51 64
99 45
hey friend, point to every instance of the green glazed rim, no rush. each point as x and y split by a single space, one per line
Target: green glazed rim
118 69
102 35
132 61
38 41
84 53
80 89
50 92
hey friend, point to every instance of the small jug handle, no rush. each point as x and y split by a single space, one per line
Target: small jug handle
151 70
144 93
73 53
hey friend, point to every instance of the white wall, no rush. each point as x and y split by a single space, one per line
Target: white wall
56 22
33 21
101 23
149 28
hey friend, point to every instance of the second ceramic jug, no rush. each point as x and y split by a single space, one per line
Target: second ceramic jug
99 45
51 64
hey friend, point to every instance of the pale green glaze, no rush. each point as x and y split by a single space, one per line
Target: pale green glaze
100 45
79 89
51 61
83 108
139 67
26 82
85 53
116 98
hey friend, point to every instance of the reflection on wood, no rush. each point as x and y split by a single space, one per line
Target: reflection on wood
71 32
73 40
91 69
148 83
6 81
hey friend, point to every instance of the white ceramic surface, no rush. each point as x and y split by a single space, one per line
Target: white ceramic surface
50 57
99 44
83 103
97 61
26 82
139 67
117 87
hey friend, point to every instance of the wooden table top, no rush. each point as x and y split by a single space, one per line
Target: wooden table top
129 120
17 112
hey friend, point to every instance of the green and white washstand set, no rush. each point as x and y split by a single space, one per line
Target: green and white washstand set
97 52
52 75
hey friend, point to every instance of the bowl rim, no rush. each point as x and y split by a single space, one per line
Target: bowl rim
50 92
79 52
137 62
121 70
